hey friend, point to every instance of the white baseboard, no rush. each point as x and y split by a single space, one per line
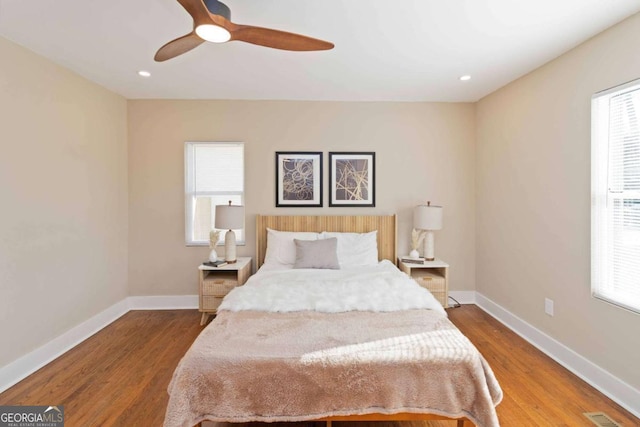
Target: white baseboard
463 297
29 363
163 302
609 385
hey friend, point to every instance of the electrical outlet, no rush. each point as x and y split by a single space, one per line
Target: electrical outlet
548 306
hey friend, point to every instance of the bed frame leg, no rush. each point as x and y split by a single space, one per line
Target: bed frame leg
328 423
464 423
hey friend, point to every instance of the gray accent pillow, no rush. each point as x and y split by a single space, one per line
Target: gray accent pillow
317 254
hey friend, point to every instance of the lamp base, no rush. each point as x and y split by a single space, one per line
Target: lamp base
230 247
429 246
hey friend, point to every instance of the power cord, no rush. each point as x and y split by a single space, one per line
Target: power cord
456 305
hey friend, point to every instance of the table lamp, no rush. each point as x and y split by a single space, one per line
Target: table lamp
428 218
229 217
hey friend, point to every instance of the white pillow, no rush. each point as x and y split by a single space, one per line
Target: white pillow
281 250
355 249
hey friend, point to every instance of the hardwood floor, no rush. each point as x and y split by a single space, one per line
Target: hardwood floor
119 376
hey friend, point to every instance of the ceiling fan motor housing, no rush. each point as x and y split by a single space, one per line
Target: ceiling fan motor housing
217 8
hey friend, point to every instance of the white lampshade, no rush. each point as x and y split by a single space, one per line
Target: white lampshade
229 217
427 217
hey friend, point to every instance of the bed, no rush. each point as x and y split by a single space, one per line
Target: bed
352 342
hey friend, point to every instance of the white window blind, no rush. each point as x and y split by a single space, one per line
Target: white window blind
214 174
615 195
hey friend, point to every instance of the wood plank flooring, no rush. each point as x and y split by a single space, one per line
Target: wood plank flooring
119 376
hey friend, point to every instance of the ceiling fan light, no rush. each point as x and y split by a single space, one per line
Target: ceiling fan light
213 33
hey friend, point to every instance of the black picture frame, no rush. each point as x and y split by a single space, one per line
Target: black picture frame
299 179
352 178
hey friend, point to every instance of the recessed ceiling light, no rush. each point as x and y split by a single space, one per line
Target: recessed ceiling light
465 77
143 73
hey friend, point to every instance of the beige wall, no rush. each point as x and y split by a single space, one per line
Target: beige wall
533 200
423 151
63 156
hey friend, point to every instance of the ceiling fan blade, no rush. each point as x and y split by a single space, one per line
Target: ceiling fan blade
277 39
197 10
178 47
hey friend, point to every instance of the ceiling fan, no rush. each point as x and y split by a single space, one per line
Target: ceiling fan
212 22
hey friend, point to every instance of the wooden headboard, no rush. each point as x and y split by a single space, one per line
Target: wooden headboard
385 224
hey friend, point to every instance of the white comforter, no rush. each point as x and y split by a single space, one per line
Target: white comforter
379 288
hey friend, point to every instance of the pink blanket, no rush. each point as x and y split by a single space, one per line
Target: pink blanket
258 366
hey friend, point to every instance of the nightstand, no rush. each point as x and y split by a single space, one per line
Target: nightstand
432 275
217 282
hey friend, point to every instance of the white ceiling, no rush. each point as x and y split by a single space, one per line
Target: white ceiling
386 50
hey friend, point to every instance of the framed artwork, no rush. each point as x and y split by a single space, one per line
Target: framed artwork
352 179
298 179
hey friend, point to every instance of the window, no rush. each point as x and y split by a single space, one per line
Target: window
214 174
615 195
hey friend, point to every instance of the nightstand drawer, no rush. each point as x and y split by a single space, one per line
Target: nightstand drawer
433 283
441 297
210 303
428 279
218 287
